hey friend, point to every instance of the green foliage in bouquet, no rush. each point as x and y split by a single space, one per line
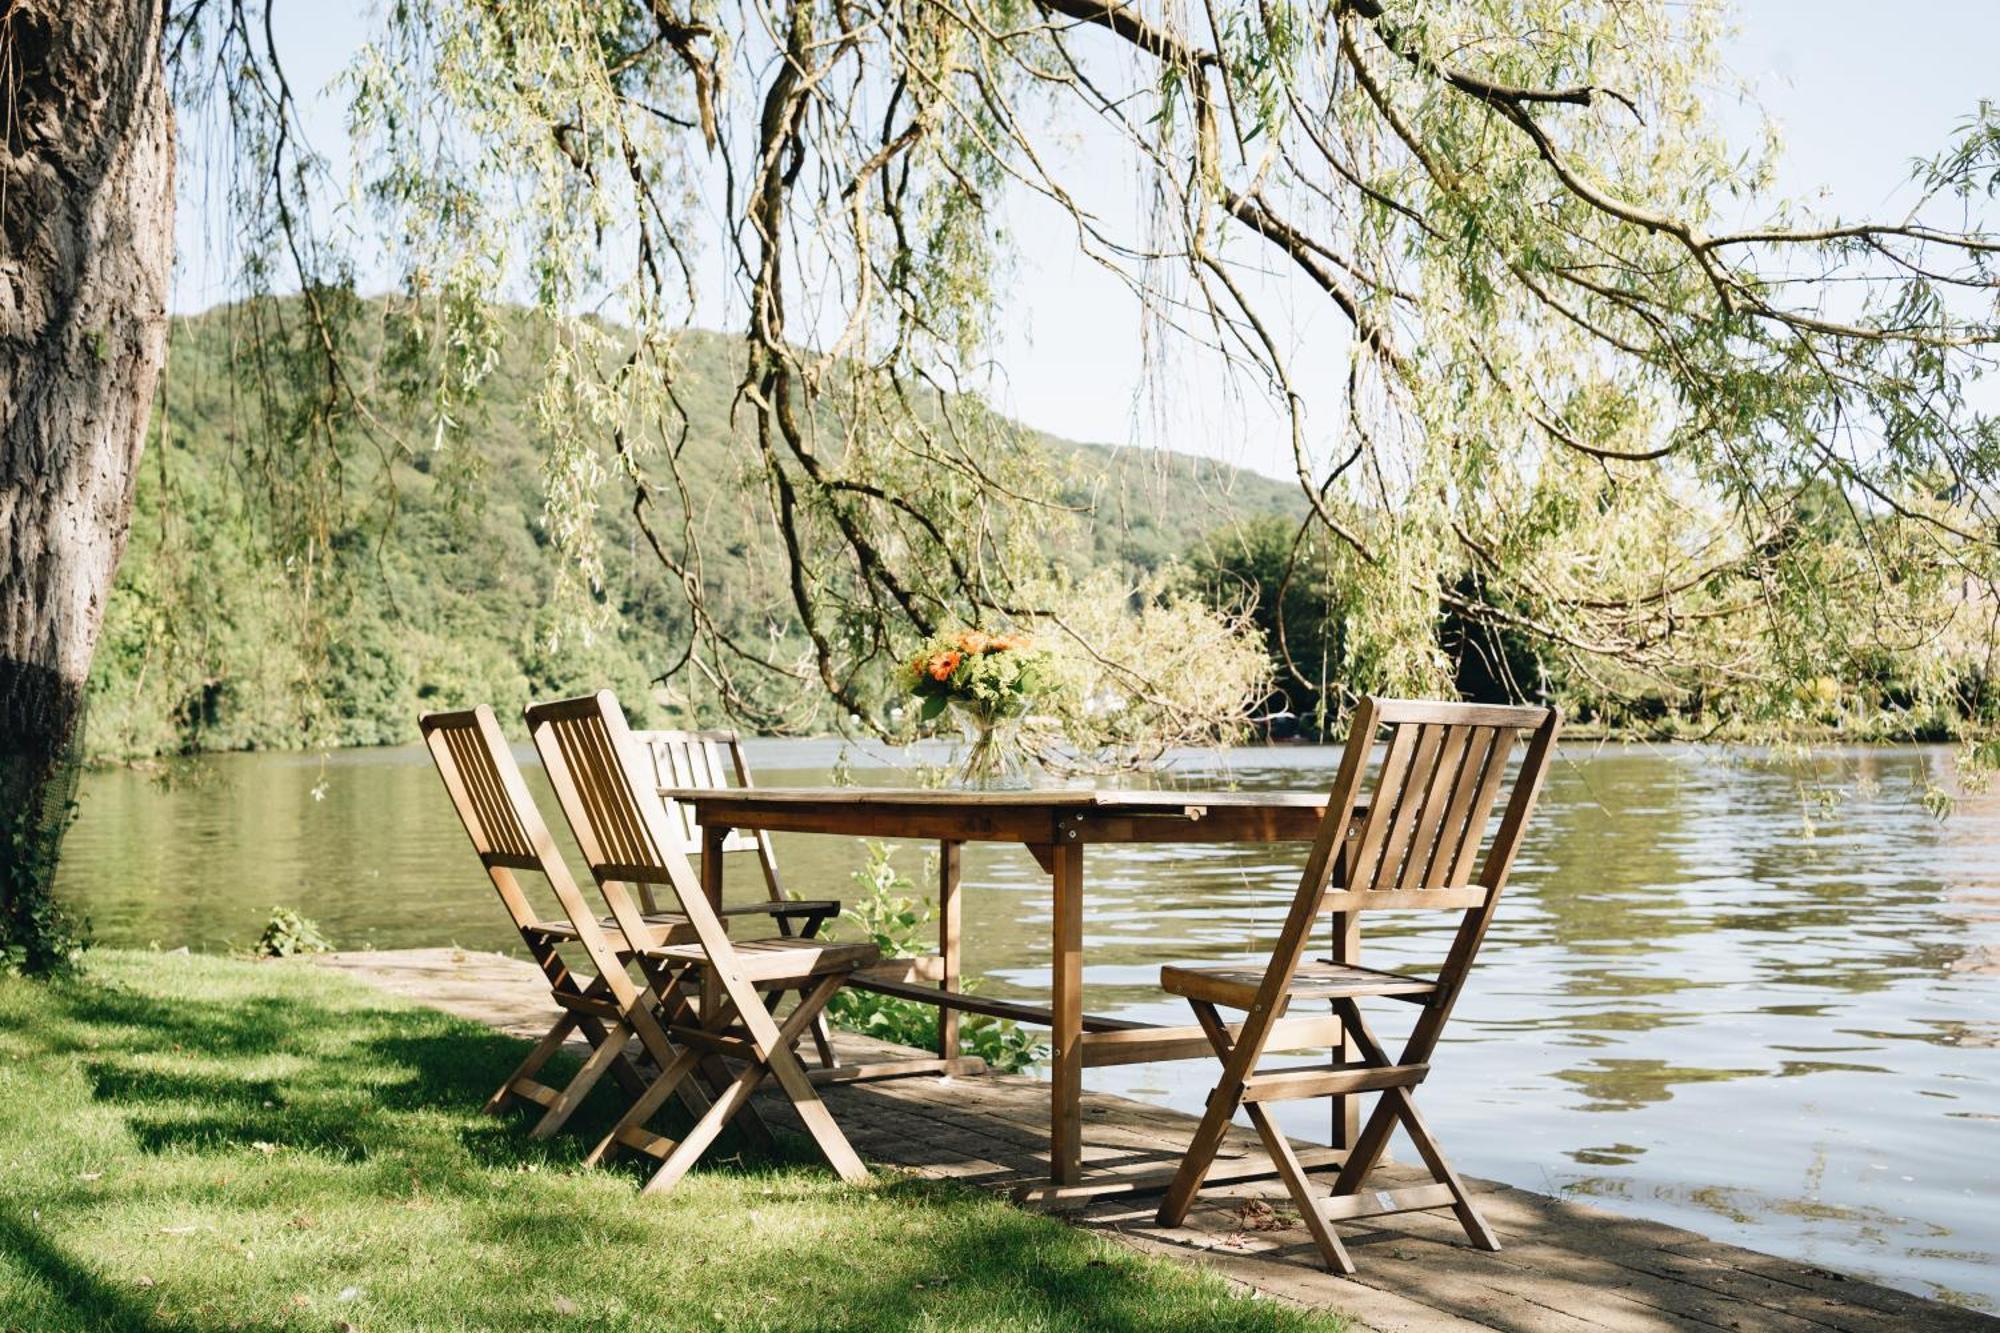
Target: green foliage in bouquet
992 675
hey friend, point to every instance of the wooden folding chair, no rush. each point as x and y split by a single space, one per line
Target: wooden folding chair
602 782
507 832
1415 846
694 760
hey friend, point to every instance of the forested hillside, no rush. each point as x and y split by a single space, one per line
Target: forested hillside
216 639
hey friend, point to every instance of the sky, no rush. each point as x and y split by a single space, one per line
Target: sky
1858 89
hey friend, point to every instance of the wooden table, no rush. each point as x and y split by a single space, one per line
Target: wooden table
1055 826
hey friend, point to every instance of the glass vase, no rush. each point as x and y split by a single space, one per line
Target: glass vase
991 757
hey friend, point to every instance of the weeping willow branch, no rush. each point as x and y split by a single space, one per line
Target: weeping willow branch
1567 403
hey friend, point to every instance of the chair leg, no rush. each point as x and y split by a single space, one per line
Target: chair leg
711 1074
1398 1105
822 1036
550 1043
823 1043
698 1078
1222 1103
779 1061
1367 1150
1300 1188
1441 1170
791 1075
695 1142
642 1110
646 1017
611 1049
630 1081
1395 1106
716 1077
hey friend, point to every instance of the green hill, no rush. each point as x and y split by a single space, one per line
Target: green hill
213 640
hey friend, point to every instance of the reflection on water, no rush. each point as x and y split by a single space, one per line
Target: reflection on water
1711 997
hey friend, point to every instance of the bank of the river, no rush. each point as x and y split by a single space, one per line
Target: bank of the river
202 1143
1756 1000
1563 1267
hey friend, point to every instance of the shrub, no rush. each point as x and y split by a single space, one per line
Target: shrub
888 913
287 933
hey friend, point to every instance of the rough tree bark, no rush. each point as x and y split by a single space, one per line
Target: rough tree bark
86 245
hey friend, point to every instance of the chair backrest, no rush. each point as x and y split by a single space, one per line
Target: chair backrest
706 761
604 785
1418 842
507 831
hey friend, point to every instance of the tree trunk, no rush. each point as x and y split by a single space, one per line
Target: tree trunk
86 246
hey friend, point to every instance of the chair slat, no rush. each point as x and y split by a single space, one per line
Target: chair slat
1413 790
623 826
1432 828
686 774
494 832
1465 786
1467 852
706 761
679 773
1367 847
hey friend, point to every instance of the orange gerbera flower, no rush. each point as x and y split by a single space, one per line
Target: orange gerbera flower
943 664
976 641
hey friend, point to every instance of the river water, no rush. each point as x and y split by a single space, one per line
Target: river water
1756 998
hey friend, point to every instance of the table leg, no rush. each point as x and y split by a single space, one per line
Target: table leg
949 920
1066 1027
711 863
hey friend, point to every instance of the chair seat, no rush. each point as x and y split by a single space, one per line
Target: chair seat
674 928
1236 986
665 927
785 958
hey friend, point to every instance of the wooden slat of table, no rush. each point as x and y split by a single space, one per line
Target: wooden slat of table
1032 818
1052 798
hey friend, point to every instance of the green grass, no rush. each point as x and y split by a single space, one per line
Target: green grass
200 1143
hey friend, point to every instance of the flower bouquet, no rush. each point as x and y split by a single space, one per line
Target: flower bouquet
990 681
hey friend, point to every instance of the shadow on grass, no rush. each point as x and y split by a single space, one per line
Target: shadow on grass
397 1084
91 1302
319 1134
181 1071
456 1070
254 1026
395 1061
111 1082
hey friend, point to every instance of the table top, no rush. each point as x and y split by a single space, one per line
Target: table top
1054 798
1034 818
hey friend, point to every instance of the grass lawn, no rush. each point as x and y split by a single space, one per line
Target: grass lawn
201 1143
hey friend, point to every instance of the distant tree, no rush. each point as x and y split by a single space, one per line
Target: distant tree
1572 372
1272 569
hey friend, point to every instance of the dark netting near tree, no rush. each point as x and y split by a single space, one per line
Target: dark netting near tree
41 758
